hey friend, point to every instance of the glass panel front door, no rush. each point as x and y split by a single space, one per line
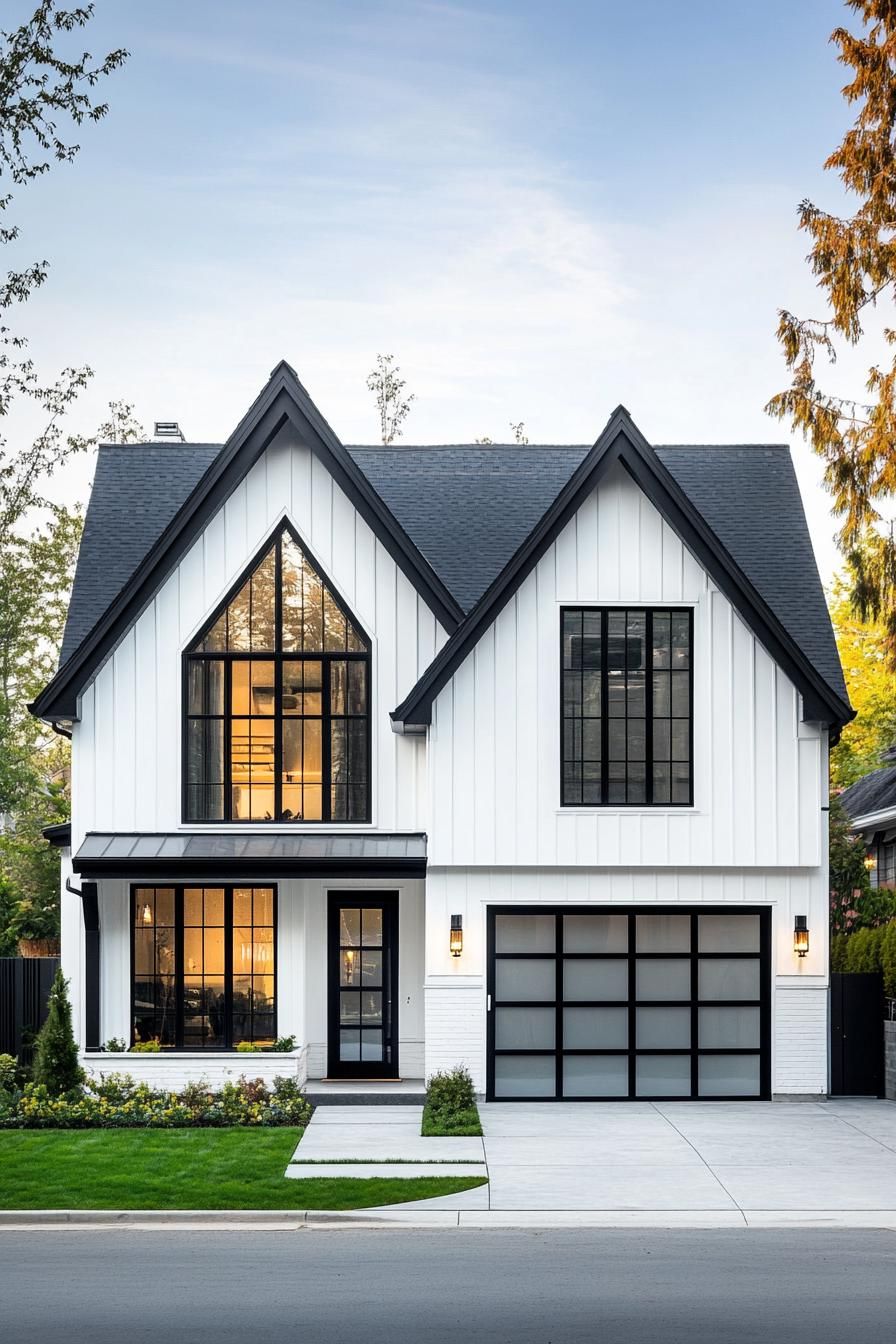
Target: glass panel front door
363 985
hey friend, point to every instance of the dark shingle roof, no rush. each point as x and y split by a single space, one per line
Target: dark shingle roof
875 793
137 490
468 507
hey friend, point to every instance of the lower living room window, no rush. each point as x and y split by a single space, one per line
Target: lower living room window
203 966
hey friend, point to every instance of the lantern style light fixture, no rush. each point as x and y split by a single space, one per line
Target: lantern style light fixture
870 862
147 914
800 935
456 941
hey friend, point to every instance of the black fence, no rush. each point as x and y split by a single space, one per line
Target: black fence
24 990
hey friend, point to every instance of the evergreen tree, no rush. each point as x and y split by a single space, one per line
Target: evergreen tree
56 1053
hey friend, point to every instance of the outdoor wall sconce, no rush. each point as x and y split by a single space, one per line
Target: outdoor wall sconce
800 936
456 941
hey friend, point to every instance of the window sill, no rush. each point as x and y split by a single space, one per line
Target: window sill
604 809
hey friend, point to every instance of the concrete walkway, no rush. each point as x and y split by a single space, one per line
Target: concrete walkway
367 1141
733 1163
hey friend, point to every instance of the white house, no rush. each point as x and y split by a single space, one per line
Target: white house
511 755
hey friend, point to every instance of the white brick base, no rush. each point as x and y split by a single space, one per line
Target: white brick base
172 1070
801 1041
455 1028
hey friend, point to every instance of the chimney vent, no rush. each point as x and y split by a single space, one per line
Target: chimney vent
169 429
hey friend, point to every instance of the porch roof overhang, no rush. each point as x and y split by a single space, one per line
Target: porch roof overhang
210 856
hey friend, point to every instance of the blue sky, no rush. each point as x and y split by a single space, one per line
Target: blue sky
541 209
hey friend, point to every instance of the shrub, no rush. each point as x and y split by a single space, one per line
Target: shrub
56 1064
8 1070
452 1091
146 1048
248 1047
115 1045
867 950
118 1101
284 1044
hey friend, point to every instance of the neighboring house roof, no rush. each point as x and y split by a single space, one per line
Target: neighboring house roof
466 515
875 793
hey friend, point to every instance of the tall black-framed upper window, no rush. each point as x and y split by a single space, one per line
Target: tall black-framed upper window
626 706
276 700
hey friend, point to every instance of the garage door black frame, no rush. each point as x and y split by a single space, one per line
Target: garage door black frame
631 1050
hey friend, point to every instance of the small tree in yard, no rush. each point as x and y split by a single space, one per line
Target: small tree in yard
56 1053
387 385
855 904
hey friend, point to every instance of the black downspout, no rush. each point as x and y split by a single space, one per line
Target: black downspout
90 902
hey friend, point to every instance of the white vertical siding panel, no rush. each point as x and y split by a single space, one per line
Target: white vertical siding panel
257 517
587 550
321 514
145 732
214 562
788 773
463 809
386 696
124 694
504 730
765 750
671 578
191 585
743 743
365 575
278 477
84 762
405 676
442 744
809 768
649 536
566 556
608 539
236 538
528 761
631 576
484 784
722 763
300 463
343 550
546 710
167 708
108 738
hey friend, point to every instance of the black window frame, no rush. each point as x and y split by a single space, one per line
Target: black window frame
649 613
278 657
632 957
178 889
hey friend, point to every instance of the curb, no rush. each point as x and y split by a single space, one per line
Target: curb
471 1220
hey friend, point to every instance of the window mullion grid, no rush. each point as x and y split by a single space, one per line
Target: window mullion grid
179 967
648 708
325 744
278 680
558 1007
604 709
632 1011
695 1018
228 967
228 738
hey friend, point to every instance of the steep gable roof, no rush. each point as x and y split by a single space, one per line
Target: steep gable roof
871 794
464 512
283 400
621 442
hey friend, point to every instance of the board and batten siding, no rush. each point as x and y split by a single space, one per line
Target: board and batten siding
759 771
127 744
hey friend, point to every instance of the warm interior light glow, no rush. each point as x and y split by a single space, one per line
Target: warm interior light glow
456 940
870 862
800 936
147 914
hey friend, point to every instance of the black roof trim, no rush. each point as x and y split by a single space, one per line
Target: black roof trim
59 834
621 441
283 400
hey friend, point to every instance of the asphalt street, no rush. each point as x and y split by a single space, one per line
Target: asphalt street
321 1286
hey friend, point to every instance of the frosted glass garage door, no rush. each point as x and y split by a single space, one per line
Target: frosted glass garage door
628 1004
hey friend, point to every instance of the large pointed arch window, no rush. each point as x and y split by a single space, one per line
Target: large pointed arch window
276 694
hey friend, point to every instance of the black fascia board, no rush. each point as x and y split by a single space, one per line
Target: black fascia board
227 869
283 400
59 834
621 441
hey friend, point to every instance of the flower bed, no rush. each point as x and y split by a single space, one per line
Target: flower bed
118 1101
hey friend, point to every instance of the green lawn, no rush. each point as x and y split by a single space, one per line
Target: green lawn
184 1169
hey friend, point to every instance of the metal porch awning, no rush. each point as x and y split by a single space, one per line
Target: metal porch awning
204 855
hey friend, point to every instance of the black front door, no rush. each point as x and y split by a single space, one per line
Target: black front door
857 1035
363 985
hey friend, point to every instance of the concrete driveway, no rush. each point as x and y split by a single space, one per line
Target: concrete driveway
664 1156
